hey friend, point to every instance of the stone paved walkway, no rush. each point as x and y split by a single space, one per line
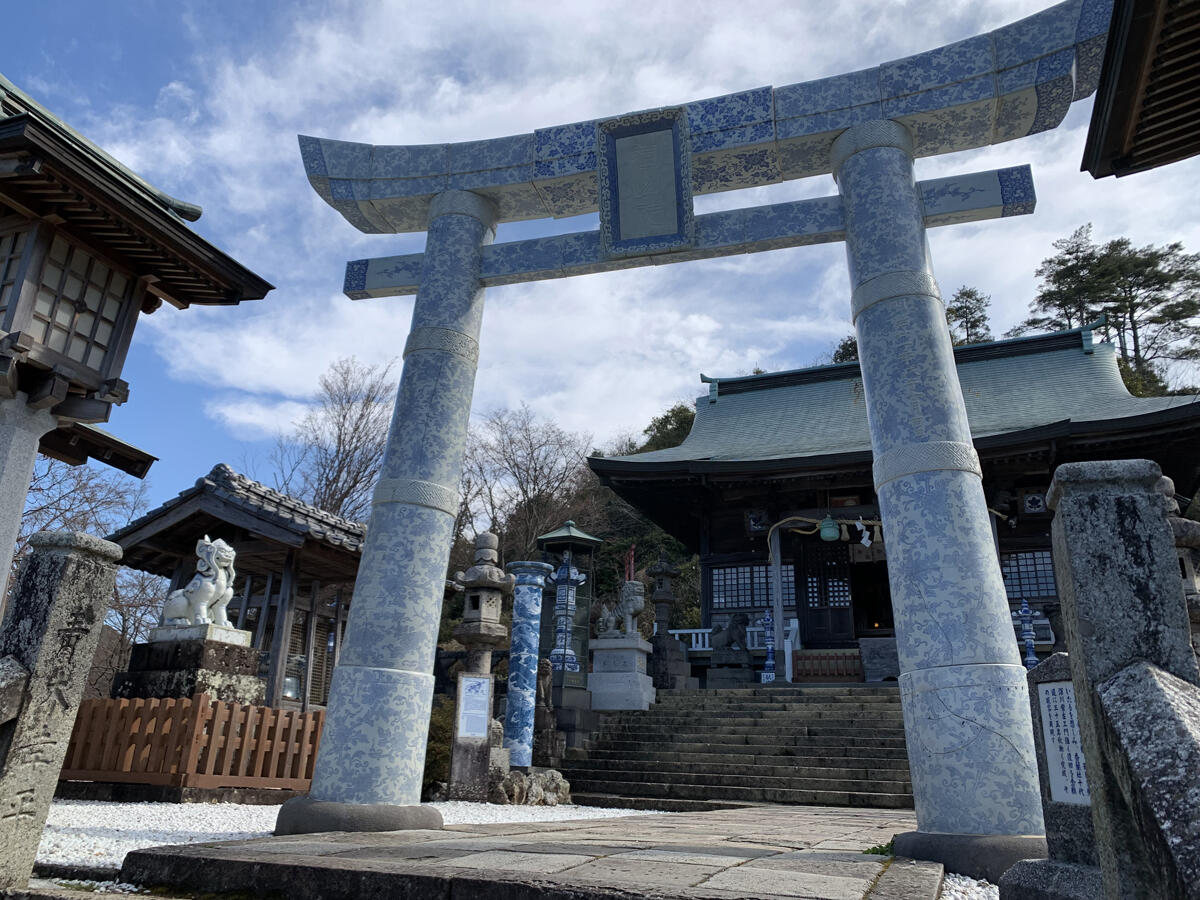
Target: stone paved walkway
760 851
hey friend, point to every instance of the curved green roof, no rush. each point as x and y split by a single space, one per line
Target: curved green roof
1009 386
567 533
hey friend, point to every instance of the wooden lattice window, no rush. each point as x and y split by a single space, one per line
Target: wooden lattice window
12 246
744 586
79 304
1028 575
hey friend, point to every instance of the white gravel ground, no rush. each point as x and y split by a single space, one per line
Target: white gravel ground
960 887
98 835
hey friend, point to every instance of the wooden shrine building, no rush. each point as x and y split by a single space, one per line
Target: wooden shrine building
295 567
796 443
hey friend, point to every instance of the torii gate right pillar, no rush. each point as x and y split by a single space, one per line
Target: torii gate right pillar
966 704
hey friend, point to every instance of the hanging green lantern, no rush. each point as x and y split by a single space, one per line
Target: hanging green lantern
829 529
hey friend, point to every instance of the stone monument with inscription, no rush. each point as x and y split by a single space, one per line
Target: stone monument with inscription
963 687
1071 872
47 640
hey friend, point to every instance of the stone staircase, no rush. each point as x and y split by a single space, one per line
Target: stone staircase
832 745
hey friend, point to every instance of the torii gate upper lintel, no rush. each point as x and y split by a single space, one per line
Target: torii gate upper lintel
966 703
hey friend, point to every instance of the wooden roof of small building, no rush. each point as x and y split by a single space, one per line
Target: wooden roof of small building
262 524
1148 100
49 170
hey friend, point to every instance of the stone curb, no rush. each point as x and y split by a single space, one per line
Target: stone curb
908 879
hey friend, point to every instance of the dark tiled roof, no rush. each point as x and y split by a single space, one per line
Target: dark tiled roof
265 503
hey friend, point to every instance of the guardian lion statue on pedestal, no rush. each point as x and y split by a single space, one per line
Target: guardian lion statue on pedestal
617 620
206 596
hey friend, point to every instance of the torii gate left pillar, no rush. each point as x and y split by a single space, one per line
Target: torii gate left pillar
369 772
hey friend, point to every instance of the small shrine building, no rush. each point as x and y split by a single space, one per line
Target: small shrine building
296 566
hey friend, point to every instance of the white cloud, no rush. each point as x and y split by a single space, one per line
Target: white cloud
601 353
253 418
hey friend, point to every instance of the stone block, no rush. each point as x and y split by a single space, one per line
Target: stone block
731 677
208 632
160 683
880 661
738 658
1117 569
621 690
618 679
1152 740
232 659
50 630
470 763
619 661
1045 879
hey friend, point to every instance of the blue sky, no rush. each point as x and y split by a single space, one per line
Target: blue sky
205 100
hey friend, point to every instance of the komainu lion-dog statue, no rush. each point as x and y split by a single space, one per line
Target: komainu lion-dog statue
206 596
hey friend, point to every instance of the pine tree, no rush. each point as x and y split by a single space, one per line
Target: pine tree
967 315
1150 297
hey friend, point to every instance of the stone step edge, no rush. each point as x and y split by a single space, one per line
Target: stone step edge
662 804
794 784
579 755
815 798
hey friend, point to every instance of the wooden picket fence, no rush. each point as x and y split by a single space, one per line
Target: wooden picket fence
197 742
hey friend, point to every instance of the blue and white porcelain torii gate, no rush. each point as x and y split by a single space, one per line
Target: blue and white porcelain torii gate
966 705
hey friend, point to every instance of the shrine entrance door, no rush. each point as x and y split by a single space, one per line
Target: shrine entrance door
823 597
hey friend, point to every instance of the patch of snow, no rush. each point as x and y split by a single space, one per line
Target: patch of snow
96 834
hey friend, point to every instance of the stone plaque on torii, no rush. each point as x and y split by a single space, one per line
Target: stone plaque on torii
966 716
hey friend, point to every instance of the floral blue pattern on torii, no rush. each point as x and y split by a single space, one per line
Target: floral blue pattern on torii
947 201
1012 82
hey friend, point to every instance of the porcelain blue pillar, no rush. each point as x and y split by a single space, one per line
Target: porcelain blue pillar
567 580
965 698
369 769
523 659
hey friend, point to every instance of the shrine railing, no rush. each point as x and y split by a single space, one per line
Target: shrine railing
701 638
196 742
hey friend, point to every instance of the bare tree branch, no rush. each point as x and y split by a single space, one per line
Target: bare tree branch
332 457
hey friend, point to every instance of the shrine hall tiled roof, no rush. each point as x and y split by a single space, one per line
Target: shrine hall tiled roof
1010 387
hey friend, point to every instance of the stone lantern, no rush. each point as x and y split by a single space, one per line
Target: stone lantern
86 246
663 572
486 585
669 666
564 639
